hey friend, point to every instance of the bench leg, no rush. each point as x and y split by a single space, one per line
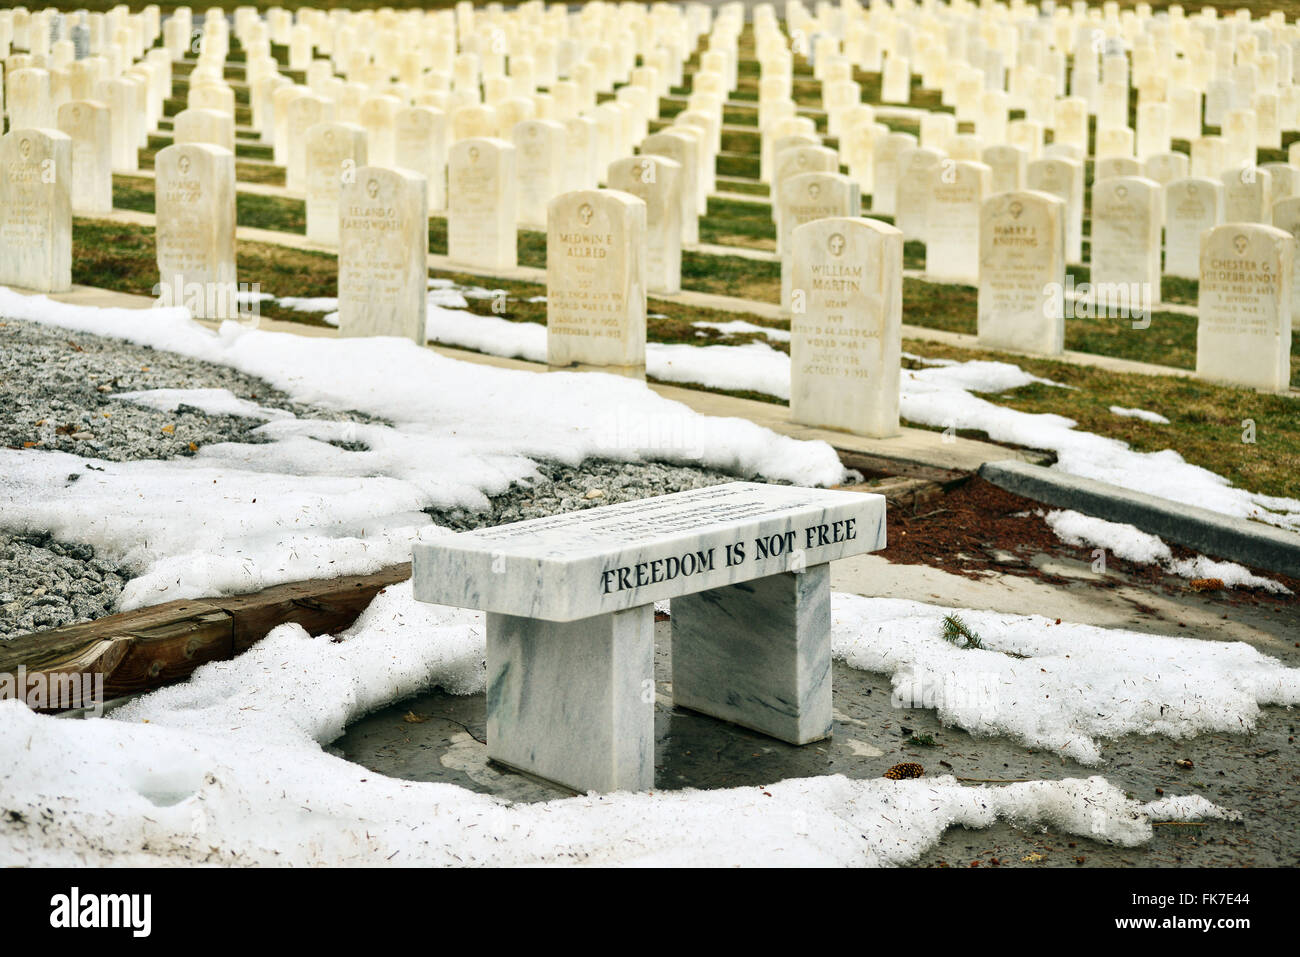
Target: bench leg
573 702
758 654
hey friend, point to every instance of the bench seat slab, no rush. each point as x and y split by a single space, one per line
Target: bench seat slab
758 654
573 702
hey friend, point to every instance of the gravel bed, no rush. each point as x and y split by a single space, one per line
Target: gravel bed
46 584
56 388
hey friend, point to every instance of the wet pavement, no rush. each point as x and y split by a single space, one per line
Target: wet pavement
440 737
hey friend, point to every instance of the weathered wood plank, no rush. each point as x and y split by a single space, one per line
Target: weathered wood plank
71 640
879 466
320 610
166 653
145 649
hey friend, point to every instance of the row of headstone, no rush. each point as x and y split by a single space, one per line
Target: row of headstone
114 67
957 195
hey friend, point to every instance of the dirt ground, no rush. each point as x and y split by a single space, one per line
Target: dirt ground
972 537
1258 774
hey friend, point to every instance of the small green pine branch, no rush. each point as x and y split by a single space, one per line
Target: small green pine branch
958 633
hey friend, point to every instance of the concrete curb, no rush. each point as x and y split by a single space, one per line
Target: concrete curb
1221 536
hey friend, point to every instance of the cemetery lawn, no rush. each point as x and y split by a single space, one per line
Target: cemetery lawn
731 222
1206 427
1206 421
121 257
1170 340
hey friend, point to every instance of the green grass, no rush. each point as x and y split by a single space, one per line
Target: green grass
266 212
158 141
733 223
1170 340
738 164
746 186
732 276
121 257
1206 420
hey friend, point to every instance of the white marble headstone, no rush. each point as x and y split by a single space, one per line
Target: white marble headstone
846 325
1243 328
595 280
383 254
36 210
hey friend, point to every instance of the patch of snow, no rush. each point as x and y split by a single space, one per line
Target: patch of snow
926 361
490 335
755 366
1135 545
1075 684
1142 414
716 367
228 768
447 298
309 303
1188 807
236 517
478 292
740 326
211 401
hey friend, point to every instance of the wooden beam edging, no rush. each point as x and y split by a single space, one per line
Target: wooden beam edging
145 649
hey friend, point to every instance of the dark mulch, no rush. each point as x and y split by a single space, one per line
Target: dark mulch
977 529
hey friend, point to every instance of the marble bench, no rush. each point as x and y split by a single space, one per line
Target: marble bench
570 620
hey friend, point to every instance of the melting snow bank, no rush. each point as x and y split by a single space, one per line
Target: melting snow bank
211 401
1059 687
755 366
941 396
195 527
486 421
1135 545
228 768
